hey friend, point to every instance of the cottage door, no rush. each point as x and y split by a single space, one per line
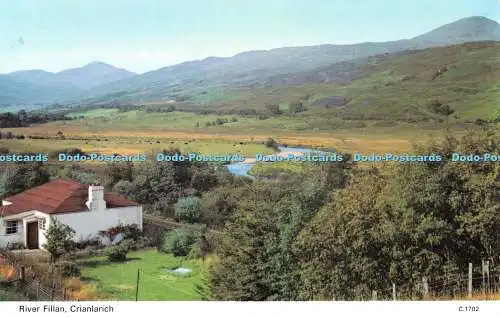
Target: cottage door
32 235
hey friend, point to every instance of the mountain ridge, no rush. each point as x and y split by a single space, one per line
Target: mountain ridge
257 65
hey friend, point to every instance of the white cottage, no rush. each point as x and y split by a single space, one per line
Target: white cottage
87 209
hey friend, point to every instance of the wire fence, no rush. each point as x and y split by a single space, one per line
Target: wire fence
480 282
33 286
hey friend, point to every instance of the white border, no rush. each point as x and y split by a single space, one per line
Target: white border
260 309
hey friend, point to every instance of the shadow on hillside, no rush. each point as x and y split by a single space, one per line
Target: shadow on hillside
96 263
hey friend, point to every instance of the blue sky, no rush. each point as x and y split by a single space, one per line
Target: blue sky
142 35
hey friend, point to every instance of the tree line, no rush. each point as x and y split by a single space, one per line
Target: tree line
24 119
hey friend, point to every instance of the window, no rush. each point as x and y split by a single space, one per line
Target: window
42 224
11 227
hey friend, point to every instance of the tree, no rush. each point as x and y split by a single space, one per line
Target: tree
59 237
180 241
271 143
21 177
203 179
296 107
407 222
218 205
188 209
23 116
274 109
116 172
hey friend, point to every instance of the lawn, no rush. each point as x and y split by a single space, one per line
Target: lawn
118 280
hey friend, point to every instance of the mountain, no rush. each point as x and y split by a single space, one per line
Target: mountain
255 66
471 29
38 76
93 74
100 82
39 86
18 91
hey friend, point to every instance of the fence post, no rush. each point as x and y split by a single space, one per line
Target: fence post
52 292
483 273
425 287
37 290
488 285
394 291
470 280
374 295
137 285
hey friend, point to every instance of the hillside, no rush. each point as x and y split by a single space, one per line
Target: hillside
15 90
39 86
401 86
210 74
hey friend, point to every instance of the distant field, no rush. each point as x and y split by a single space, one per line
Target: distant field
133 145
118 280
137 131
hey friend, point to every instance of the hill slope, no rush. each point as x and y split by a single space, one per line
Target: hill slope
411 85
17 90
251 67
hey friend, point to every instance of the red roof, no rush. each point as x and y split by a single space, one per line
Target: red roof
57 197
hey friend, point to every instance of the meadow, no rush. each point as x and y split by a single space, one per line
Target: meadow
118 280
111 131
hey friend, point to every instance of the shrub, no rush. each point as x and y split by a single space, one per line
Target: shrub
129 232
195 252
180 241
131 244
15 246
118 253
188 209
93 242
59 239
271 143
68 269
73 283
7 272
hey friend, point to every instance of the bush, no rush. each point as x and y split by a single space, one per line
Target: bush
133 245
271 143
180 241
93 242
196 251
131 232
188 209
68 269
118 253
15 246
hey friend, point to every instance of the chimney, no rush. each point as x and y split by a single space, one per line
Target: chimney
95 200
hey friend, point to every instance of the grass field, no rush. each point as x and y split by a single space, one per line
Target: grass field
134 145
137 131
118 280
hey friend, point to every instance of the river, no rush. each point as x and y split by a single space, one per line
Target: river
243 168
